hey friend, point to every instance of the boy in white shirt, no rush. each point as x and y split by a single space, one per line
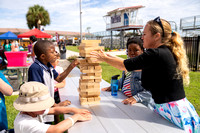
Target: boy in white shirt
35 102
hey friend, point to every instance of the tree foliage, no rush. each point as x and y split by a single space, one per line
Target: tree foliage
37 14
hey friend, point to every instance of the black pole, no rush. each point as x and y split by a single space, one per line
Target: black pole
111 41
197 54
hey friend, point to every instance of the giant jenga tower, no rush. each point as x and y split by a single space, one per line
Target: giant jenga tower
89 84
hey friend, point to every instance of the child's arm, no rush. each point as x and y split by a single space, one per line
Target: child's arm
143 96
67 123
61 84
65 110
5 88
106 89
64 74
129 100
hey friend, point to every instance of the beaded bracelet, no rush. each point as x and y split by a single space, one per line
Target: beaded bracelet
71 120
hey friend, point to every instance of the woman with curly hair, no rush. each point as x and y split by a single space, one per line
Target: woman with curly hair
165 70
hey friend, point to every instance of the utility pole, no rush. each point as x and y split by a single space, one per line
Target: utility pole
80 22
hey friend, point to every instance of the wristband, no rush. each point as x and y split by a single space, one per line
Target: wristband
71 120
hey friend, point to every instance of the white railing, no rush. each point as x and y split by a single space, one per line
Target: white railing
126 22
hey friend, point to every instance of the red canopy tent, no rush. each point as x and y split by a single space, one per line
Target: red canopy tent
35 32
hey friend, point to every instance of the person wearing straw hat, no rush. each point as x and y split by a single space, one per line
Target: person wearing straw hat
34 102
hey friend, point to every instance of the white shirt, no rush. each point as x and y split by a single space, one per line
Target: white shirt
26 124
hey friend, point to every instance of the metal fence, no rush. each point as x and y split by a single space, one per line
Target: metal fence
193 52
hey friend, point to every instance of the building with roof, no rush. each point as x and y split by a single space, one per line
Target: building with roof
71 37
18 31
123 19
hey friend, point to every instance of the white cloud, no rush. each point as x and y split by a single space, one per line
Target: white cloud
64 14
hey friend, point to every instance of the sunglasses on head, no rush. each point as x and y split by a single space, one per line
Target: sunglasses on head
157 20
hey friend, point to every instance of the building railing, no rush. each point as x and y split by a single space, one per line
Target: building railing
190 23
126 23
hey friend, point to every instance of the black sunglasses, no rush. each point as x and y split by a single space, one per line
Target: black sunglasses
160 23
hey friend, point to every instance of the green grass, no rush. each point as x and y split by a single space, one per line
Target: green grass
11 111
72 48
193 90
108 71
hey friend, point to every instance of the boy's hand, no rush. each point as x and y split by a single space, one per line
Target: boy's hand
74 63
84 117
106 89
130 100
81 111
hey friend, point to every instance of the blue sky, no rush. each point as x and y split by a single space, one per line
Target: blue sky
64 14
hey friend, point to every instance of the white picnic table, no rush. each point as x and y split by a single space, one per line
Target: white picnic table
22 74
112 116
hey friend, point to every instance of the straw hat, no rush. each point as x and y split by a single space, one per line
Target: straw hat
33 96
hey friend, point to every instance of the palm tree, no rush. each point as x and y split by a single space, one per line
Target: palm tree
37 16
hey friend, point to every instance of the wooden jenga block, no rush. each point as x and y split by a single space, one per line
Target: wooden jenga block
97 67
93 102
83 61
83 94
97 98
89 90
90 74
93 86
90 43
82 99
83 76
93 93
91 67
83 68
97 74
91 71
97 85
85 50
89 64
90 48
83 87
86 80
92 60
88 83
97 80
88 94
90 86
90 99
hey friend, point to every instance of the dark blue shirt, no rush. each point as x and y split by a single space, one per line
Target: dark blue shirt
44 74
